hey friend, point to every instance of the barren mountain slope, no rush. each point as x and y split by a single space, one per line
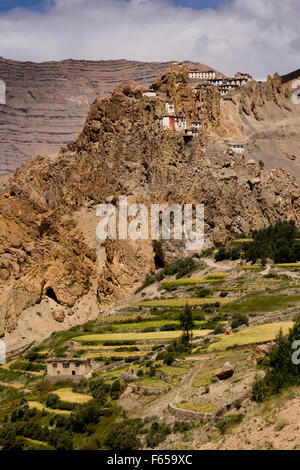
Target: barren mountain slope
265 117
47 103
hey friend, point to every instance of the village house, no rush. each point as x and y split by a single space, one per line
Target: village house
175 123
170 109
74 369
196 126
200 75
237 147
149 94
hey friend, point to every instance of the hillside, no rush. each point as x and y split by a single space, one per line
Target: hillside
47 103
53 265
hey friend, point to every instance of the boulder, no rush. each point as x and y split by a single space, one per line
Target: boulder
261 351
128 377
226 372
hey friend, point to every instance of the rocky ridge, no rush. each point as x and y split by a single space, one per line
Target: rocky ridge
50 256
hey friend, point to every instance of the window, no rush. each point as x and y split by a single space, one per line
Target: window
54 365
66 365
77 364
58 372
73 372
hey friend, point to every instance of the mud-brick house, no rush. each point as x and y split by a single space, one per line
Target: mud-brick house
200 75
174 123
73 369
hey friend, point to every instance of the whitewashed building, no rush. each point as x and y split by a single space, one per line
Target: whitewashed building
237 147
196 126
170 109
200 75
174 123
150 94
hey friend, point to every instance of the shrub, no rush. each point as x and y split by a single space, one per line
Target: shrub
239 319
122 438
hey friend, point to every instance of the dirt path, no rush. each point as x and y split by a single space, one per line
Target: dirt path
212 264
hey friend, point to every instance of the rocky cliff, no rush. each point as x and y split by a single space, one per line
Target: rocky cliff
54 270
47 103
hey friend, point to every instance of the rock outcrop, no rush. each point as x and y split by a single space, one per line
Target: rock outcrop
49 252
47 103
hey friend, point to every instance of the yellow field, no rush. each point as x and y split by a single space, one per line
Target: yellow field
243 240
287 265
116 354
66 394
155 335
267 332
41 407
183 302
13 385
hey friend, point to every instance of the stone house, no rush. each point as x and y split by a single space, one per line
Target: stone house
73 369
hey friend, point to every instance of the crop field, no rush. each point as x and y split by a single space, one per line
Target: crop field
183 302
155 335
255 334
66 394
39 406
259 304
287 265
152 383
190 281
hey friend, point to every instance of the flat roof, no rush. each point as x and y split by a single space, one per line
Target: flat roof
68 359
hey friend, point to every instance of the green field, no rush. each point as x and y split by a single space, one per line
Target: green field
255 334
260 304
66 394
182 302
190 281
155 335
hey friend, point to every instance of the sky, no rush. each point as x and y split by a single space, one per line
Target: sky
256 36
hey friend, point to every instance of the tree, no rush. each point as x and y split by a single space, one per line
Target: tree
187 323
282 372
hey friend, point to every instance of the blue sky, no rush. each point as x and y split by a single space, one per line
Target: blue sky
196 4
259 37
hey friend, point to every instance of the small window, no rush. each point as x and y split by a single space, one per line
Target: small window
58 372
73 372
77 364
66 365
54 365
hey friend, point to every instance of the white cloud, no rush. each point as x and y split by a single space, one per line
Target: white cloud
258 36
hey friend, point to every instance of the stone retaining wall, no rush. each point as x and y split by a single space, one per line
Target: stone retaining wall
187 415
147 391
